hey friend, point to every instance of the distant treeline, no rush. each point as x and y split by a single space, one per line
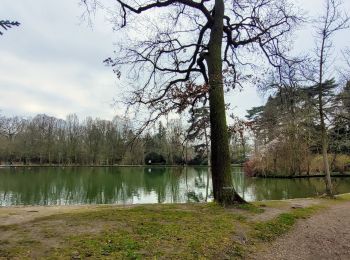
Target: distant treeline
49 140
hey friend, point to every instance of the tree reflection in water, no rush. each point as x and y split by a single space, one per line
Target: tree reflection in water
133 185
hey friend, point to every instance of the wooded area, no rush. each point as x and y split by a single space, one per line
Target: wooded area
286 129
46 140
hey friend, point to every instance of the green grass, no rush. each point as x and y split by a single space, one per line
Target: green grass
144 232
344 197
148 232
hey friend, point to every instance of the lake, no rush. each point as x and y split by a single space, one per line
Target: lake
135 185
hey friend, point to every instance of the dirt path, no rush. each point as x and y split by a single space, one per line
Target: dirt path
323 236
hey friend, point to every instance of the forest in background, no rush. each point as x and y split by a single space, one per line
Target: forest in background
46 140
281 137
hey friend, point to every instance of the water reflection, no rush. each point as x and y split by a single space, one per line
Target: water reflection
133 185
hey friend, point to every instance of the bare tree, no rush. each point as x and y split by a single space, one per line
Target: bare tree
199 128
73 130
175 45
5 25
10 127
327 25
345 72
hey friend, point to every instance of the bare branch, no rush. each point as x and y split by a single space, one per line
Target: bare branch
6 24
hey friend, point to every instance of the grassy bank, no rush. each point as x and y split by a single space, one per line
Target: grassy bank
182 231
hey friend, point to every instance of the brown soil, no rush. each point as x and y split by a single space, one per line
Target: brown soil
323 236
19 215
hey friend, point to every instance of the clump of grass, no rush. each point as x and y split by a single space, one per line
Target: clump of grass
270 230
343 196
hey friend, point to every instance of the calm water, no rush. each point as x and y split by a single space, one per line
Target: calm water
133 185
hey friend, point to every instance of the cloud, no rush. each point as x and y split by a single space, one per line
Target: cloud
52 63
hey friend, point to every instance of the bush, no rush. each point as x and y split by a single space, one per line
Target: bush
342 163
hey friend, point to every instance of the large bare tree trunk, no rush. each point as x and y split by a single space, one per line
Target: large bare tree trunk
224 192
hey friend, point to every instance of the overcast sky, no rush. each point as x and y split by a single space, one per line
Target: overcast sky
53 64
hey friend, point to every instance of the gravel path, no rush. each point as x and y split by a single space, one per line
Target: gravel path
323 236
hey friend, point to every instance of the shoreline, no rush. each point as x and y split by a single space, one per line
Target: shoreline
334 175
76 206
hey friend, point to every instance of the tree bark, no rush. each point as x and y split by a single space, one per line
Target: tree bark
224 193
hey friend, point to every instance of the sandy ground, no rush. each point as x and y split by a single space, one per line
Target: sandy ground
323 236
22 214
